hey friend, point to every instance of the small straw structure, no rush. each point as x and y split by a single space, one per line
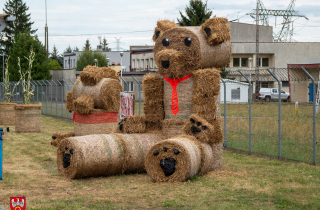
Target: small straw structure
58 137
91 75
28 118
132 124
104 154
190 157
98 121
219 28
162 26
69 104
7 114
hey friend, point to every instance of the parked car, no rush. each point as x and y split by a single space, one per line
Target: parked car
269 94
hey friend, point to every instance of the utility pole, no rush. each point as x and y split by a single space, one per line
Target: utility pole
46 39
257 50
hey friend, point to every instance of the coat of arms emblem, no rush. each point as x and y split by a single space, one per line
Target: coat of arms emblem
18 203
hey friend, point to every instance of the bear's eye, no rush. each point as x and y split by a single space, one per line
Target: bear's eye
204 127
157 34
208 31
187 41
165 42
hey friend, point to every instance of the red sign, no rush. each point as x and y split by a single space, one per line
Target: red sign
18 203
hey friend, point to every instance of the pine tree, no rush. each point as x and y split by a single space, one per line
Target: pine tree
68 50
105 45
196 14
21 48
87 45
22 24
54 53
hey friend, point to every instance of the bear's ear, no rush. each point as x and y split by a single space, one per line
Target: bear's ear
163 25
216 30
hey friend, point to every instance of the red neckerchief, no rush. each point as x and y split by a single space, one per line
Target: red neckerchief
174 83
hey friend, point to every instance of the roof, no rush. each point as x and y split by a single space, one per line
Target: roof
228 81
3 15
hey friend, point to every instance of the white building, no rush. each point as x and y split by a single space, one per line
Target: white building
236 92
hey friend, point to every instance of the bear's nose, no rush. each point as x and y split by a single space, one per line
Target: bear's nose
165 64
195 130
168 166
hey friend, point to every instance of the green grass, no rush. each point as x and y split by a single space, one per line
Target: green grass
245 182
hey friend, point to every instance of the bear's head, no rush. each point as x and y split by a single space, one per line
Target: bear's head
179 51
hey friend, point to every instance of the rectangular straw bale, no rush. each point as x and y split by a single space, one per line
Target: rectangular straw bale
173 127
217 156
206 82
7 114
69 105
84 104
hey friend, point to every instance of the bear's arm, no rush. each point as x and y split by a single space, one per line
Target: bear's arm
152 85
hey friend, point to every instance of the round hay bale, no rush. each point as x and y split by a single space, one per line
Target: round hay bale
88 156
104 154
178 159
217 155
173 127
7 114
136 147
28 118
99 121
105 94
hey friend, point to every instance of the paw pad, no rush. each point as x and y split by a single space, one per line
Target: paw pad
67 157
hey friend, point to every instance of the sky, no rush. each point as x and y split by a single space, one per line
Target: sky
72 22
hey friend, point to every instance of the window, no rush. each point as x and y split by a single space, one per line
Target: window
282 91
264 62
137 63
130 84
147 61
133 61
74 62
151 63
264 84
65 65
274 90
285 83
240 62
235 94
142 64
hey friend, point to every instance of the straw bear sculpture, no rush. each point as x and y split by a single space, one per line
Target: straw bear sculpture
95 100
180 135
183 99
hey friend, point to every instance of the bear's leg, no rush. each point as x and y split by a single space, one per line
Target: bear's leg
84 104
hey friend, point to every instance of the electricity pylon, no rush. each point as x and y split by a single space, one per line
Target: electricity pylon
286 31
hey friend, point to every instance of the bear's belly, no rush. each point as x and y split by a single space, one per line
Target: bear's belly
184 93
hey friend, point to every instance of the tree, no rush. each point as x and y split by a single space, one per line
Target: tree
105 47
87 57
224 73
76 48
87 45
21 48
55 56
196 14
68 50
22 24
53 64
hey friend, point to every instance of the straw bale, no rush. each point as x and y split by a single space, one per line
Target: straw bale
206 83
82 129
184 93
219 30
173 127
28 118
207 159
200 129
162 26
70 101
217 156
105 94
84 104
180 158
153 125
136 147
90 156
91 75
218 135
132 124
104 154
183 59
58 137
7 114
212 56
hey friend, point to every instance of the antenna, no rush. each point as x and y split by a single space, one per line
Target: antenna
118 43
46 39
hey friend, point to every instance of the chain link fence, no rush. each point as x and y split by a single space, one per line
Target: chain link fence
249 124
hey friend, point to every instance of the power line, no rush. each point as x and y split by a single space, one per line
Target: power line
104 33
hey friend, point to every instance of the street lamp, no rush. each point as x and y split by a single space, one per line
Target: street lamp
108 59
121 54
96 62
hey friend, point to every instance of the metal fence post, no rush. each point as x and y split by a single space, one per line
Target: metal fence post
126 84
64 95
250 100
55 97
314 116
279 109
225 113
139 93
